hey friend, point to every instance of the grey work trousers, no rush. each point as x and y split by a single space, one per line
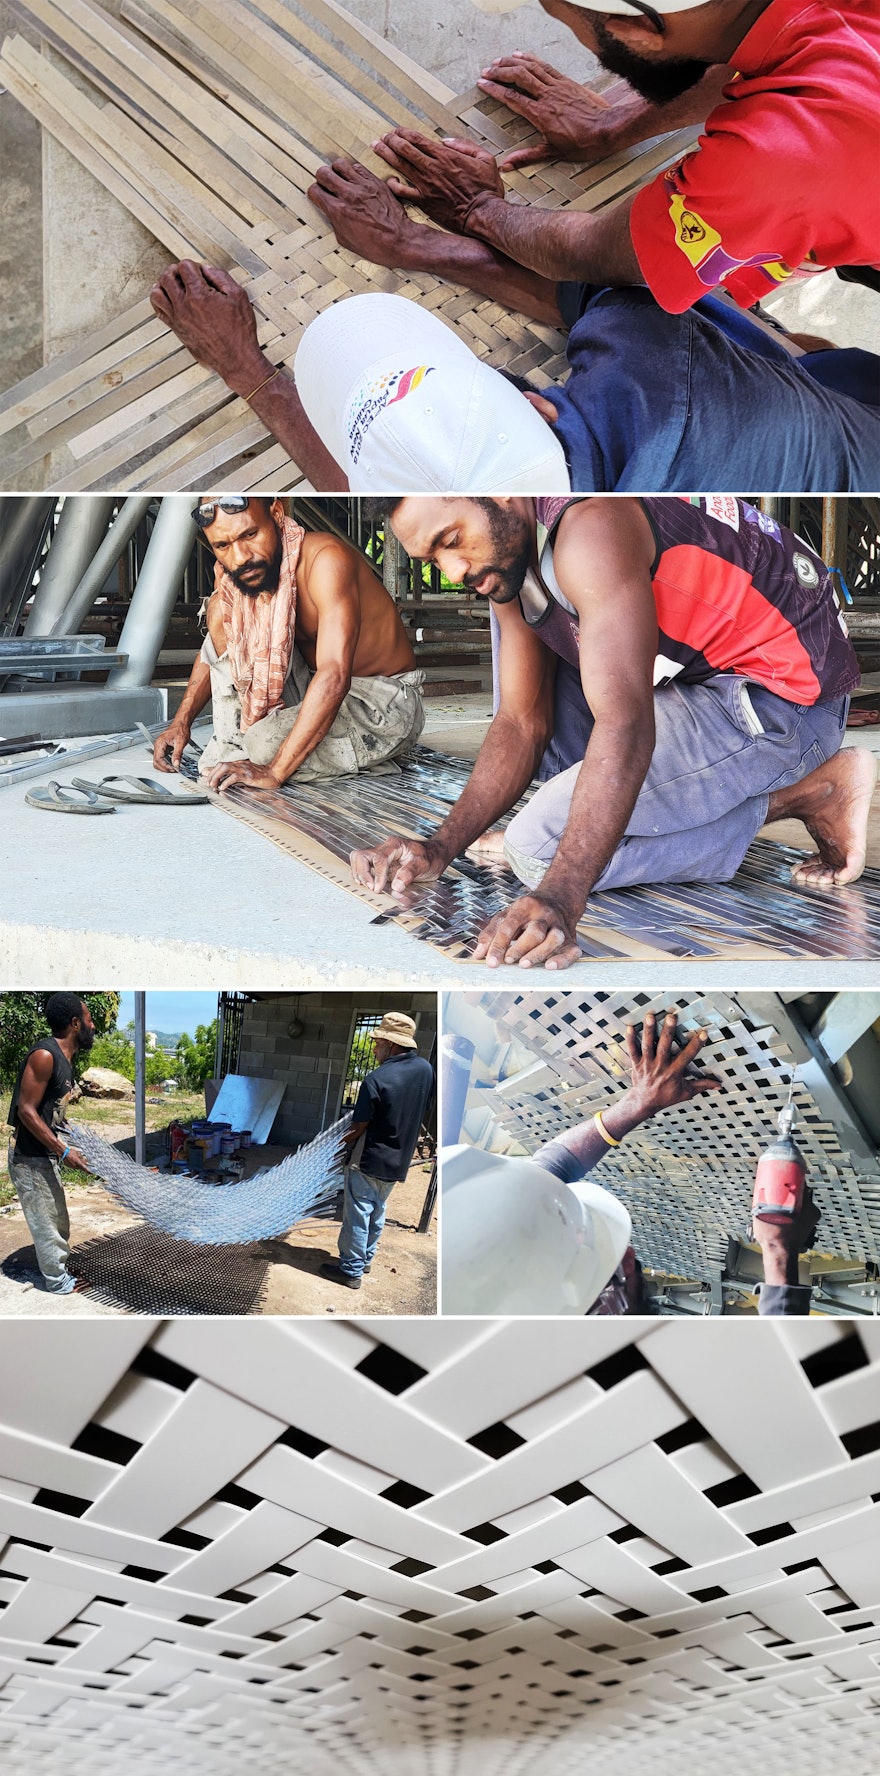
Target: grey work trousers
721 748
44 1206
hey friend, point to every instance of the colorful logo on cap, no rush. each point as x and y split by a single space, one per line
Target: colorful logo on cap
373 395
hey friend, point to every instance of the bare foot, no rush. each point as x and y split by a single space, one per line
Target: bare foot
80 1286
490 847
863 718
833 802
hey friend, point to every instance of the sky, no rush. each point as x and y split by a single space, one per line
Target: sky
171 1011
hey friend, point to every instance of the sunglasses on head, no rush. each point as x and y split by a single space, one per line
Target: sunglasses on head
206 511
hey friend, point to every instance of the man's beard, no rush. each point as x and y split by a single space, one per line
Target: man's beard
503 530
84 1040
658 82
269 577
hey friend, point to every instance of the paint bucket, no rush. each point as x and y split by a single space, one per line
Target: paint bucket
228 1144
179 1165
244 1138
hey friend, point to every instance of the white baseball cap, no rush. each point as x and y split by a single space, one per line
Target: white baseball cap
624 8
517 1240
404 406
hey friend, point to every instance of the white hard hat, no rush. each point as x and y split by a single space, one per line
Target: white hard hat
404 406
517 1240
622 7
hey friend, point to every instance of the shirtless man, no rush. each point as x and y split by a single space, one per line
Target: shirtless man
306 661
697 652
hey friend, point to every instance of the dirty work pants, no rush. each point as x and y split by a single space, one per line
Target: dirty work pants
44 1206
721 747
380 719
363 1218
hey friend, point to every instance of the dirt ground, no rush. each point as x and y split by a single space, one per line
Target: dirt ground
403 1279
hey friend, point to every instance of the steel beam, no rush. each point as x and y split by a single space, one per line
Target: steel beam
78 534
156 592
24 521
61 712
102 564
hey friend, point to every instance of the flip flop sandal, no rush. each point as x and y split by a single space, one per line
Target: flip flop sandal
70 799
140 791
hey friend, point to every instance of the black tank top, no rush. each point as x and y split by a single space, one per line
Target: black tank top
53 1103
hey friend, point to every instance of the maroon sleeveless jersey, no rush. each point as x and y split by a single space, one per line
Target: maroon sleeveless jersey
734 592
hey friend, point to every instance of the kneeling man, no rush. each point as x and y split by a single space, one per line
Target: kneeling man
307 664
689 661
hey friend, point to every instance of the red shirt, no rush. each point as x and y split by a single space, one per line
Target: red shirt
787 175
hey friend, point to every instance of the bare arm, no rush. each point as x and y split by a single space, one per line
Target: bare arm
505 766
459 186
370 221
660 1081
35 1079
213 318
602 561
560 244
333 591
169 745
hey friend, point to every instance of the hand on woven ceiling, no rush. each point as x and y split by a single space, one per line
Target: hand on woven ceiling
394 866
534 931
574 123
660 1077
362 211
234 772
448 179
212 317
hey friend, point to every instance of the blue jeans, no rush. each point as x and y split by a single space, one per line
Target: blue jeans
44 1206
721 748
363 1218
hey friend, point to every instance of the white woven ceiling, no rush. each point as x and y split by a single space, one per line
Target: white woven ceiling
428 1549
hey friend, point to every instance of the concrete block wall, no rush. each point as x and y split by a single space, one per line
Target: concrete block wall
307 1062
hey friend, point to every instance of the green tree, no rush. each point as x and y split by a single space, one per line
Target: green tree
116 1050
23 1022
194 1058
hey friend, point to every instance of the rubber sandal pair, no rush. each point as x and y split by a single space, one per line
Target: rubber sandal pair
81 796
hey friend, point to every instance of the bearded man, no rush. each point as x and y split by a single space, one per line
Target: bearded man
307 664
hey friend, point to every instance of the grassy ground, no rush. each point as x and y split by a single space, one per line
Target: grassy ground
112 1118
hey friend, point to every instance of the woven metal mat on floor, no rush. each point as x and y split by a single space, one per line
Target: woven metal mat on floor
144 1270
686 1176
759 914
422 1548
208 122
261 1207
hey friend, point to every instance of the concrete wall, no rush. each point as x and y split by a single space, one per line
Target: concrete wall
304 1062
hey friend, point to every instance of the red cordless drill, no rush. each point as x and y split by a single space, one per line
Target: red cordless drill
780 1179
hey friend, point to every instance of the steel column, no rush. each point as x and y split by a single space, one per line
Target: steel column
92 583
155 594
140 1078
24 521
78 534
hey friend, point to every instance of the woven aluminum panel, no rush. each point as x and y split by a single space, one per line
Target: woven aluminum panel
261 1207
687 1176
758 914
470 1549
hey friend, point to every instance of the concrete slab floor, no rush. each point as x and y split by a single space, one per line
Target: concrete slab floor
194 898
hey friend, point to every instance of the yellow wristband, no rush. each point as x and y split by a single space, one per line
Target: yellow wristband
603 1130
